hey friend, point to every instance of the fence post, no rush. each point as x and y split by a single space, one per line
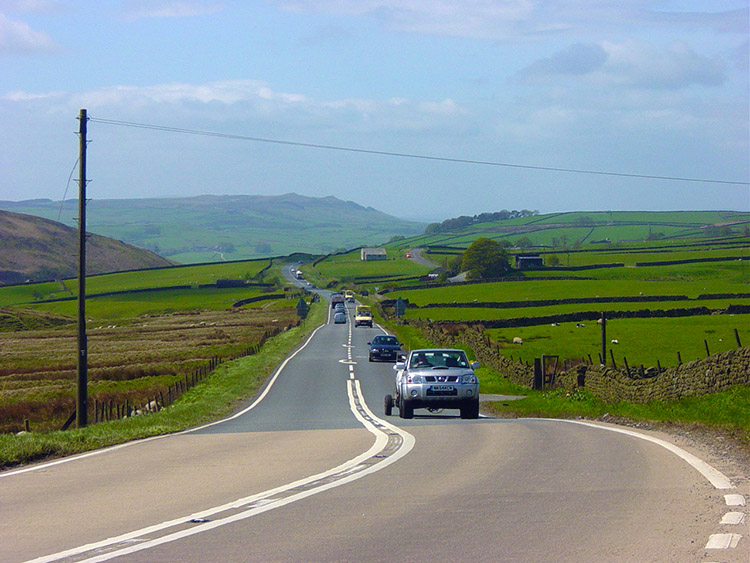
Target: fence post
707 352
612 355
538 376
627 367
737 338
679 359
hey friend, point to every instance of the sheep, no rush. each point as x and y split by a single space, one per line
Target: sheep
555 324
615 341
580 325
517 340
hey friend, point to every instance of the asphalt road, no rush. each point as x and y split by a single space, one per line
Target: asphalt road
315 472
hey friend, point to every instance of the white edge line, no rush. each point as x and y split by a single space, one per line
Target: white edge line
380 440
714 476
144 440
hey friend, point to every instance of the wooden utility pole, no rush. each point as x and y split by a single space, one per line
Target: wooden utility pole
603 322
82 402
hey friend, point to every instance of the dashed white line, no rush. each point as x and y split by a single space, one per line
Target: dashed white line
733 519
734 500
723 541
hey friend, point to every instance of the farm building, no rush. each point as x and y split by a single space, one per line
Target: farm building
529 261
368 254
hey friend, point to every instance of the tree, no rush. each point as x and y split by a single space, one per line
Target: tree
484 259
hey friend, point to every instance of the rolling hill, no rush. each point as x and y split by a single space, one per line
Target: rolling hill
212 228
40 249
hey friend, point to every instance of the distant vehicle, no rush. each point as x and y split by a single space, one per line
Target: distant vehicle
349 296
408 254
435 379
363 316
339 308
384 347
336 298
339 318
299 275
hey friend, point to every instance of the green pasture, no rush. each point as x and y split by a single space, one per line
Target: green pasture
124 281
641 341
462 314
125 306
565 289
619 227
349 266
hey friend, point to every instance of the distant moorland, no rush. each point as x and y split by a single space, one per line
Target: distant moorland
216 228
39 249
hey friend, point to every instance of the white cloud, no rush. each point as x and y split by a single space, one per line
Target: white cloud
515 19
18 37
630 64
138 9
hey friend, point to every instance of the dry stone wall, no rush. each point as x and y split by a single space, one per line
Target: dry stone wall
710 375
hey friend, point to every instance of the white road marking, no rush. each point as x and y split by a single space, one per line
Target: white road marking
129 444
347 472
714 476
733 518
734 500
723 541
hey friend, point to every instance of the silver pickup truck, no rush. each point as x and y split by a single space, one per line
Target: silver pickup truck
435 379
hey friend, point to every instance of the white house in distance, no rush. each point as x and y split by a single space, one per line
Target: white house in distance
367 254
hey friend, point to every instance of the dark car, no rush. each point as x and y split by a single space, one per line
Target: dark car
384 347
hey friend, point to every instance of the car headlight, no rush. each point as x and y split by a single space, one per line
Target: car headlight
469 378
415 379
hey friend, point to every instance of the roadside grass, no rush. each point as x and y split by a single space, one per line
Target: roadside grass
726 413
228 388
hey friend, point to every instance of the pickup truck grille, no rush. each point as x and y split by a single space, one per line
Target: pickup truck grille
441 378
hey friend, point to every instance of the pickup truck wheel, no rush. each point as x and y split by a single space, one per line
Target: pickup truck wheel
406 410
388 405
470 409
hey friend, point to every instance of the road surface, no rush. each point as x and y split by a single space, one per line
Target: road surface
315 472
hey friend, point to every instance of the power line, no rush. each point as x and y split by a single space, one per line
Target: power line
405 155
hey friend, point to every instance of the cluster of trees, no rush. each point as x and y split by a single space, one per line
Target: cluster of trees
466 220
483 259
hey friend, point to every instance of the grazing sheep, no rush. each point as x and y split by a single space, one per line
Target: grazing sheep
555 324
580 325
615 341
517 340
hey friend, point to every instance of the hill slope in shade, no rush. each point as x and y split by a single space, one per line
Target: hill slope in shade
213 228
41 249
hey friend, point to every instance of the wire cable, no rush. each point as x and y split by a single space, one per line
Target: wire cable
405 155
70 177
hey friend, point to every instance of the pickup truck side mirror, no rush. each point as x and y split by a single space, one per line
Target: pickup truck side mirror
475 365
399 365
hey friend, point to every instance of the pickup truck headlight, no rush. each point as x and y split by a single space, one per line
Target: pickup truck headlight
415 379
469 378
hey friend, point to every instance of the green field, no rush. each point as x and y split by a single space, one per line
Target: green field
640 341
127 281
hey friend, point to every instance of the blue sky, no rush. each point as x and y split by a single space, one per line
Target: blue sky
654 88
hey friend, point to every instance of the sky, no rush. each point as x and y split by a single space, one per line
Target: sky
558 105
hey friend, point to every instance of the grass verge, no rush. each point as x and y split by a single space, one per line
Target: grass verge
229 386
725 414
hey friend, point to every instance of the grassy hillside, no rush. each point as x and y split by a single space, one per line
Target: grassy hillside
589 229
37 248
216 228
